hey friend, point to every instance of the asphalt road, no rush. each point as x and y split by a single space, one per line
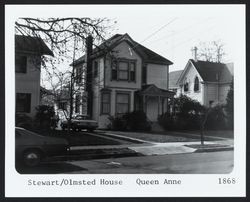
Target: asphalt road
192 163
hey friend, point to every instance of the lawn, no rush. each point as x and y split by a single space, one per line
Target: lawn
80 138
153 137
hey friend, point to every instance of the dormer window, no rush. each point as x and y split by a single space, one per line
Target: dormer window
196 84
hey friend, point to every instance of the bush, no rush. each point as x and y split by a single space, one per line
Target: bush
117 123
229 107
187 116
180 121
216 119
24 121
167 121
44 116
133 121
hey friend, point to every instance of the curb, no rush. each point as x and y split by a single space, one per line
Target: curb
214 149
95 154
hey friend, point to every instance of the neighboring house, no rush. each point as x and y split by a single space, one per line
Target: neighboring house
28 52
173 79
123 76
206 82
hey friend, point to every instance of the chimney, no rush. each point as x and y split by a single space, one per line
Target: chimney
194 53
89 49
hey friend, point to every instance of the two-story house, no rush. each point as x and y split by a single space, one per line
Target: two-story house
123 76
206 82
28 52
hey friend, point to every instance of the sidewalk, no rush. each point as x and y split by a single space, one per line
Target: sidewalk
146 147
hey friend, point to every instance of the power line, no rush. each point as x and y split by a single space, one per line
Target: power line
181 31
158 30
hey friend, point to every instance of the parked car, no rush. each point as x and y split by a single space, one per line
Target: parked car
80 122
32 148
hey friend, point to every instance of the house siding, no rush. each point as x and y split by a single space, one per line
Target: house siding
158 75
212 94
29 82
123 50
103 118
190 75
223 91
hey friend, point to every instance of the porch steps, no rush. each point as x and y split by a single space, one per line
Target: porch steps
155 126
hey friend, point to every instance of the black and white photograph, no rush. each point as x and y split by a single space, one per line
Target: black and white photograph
133 91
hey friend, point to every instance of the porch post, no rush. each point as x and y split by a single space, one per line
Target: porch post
159 104
144 104
173 108
162 105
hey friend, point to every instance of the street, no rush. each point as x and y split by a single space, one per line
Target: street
189 163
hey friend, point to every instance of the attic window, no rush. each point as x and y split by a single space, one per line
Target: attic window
196 84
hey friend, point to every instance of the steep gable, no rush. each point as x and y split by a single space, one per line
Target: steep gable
147 55
213 71
209 71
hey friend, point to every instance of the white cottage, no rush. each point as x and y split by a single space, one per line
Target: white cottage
206 82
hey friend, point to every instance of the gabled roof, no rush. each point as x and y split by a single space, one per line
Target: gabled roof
173 78
32 45
153 90
210 71
147 55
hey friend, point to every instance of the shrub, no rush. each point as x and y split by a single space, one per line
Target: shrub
229 107
216 118
117 123
24 121
44 116
135 121
187 115
167 121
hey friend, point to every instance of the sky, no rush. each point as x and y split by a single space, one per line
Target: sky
173 31
169 30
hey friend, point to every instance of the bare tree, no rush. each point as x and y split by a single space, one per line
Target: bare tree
211 51
66 37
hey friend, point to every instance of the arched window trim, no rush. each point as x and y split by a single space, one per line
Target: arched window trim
186 85
196 84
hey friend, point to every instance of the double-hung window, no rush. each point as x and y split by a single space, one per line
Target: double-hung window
122 103
105 103
123 70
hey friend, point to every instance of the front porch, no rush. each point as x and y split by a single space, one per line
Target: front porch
154 101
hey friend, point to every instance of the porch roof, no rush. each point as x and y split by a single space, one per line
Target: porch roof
153 90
